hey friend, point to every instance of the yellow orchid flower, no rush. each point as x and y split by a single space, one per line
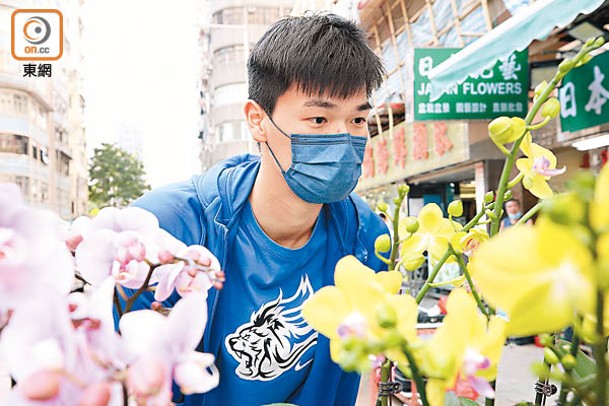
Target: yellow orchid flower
540 276
464 351
433 234
599 207
468 243
538 167
349 309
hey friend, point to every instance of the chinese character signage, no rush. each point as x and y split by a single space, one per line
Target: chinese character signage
497 91
584 95
411 149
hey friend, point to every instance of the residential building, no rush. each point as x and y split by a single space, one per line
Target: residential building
42 137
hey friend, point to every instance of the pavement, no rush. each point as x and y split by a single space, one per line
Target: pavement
515 381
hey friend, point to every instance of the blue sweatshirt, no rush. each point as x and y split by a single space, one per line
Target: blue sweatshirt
206 210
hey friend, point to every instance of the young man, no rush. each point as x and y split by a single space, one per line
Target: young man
279 223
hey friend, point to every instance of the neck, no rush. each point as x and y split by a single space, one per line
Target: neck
283 216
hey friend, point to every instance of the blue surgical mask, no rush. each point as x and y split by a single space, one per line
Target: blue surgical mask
515 216
325 167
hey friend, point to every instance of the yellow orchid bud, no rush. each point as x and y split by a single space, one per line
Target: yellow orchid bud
403 190
386 315
585 59
589 42
397 200
491 214
546 340
413 263
382 206
540 88
568 361
551 108
382 243
500 129
455 208
489 197
599 42
566 65
411 224
504 130
550 356
508 195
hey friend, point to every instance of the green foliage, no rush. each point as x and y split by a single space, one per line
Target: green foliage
116 177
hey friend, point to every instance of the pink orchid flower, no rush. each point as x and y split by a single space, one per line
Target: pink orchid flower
33 259
52 361
165 347
198 271
122 243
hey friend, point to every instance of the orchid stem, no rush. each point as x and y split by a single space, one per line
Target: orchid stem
117 304
539 125
432 276
469 280
138 292
382 258
416 376
527 216
599 350
515 181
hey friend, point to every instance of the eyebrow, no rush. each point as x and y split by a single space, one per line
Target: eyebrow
329 105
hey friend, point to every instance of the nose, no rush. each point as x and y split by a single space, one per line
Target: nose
341 129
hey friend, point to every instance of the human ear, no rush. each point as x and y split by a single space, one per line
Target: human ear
254 115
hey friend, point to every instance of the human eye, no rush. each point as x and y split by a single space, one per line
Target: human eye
359 121
318 120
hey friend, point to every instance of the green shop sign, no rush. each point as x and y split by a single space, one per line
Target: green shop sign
584 95
497 91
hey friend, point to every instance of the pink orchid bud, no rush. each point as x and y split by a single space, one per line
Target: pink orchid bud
193 254
41 385
156 306
192 271
96 395
166 257
146 376
137 251
205 261
73 242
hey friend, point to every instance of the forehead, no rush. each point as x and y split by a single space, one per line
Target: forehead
512 203
294 95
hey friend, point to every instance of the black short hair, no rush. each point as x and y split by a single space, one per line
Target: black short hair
320 53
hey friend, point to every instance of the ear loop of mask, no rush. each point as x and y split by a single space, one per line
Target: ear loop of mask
269 147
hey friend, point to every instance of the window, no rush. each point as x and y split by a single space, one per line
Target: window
233 15
230 94
14 144
262 15
20 103
24 184
63 163
231 55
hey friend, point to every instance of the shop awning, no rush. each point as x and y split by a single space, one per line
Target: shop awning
515 34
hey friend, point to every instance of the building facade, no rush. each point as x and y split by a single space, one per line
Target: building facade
42 137
451 156
229 30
